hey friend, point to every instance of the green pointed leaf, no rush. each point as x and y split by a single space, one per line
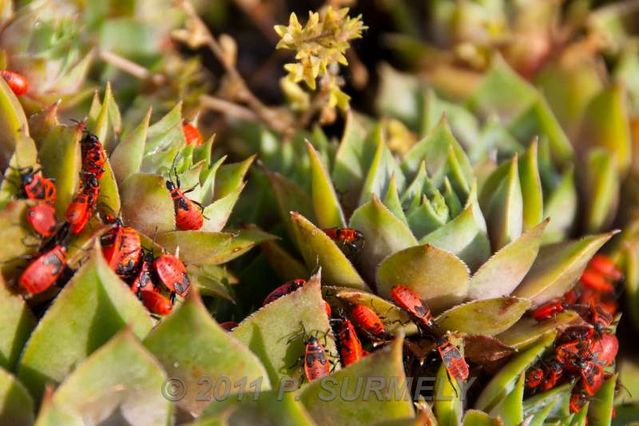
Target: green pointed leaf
449 403
319 250
16 405
213 280
165 139
90 309
100 125
384 368
479 418
392 201
558 267
531 190
13 123
510 409
561 207
17 323
428 216
285 266
487 317
109 197
290 197
527 331
605 124
270 408
439 277
127 156
177 343
459 173
602 190
452 201
383 232
274 333
115 119
552 403
504 211
325 202
217 214
393 317
13 228
397 95
353 157
465 236
503 272
147 205
601 405
61 161
119 383
382 168
504 381
231 176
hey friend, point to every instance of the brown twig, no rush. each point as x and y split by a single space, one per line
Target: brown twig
130 67
226 107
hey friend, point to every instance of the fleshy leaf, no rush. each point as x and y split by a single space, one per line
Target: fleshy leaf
383 232
527 330
17 323
211 248
479 418
13 123
488 317
61 161
16 405
558 267
213 280
504 381
164 138
231 176
119 383
25 155
392 200
449 401
127 156
394 318
90 309
319 250
275 333
325 202
531 190
510 409
290 197
384 369
465 236
602 404
286 266
13 228
382 168
217 214
503 272
353 157
147 205
561 207
439 277
602 190
552 403
109 197
177 344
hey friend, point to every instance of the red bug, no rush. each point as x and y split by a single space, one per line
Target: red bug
228 325
41 218
44 271
188 213
93 155
122 249
367 320
191 134
34 186
328 309
350 240
594 280
316 363
534 377
607 348
592 377
156 302
172 273
453 360
577 401
571 297
553 373
605 266
549 310
18 83
410 301
144 278
82 206
350 347
283 290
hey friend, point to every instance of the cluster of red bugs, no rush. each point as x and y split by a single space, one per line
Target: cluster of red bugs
582 352
16 82
155 280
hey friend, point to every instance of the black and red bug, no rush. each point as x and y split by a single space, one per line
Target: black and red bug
122 249
316 363
283 290
594 280
577 401
144 277
409 301
229 325
171 272
454 361
534 377
192 135
156 302
606 349
592 377
554 372
549 310
349 240
44 270
606 266
34 186
366 319
350 347
18 83
41 218
93 155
